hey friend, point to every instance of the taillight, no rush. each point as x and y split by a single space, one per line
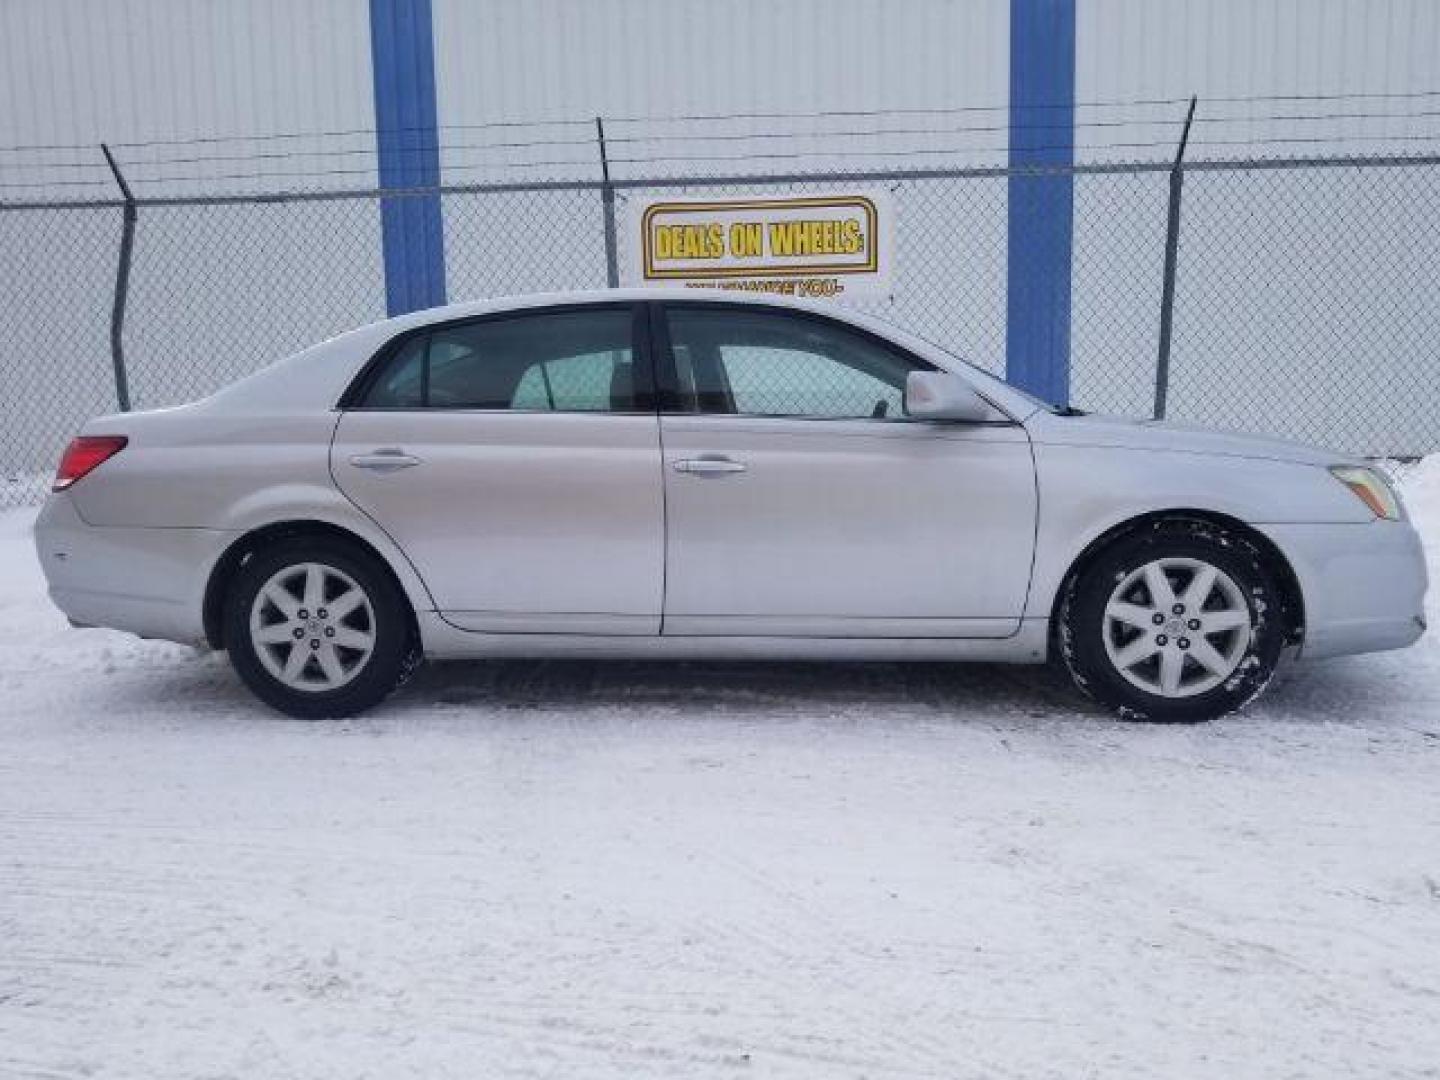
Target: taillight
83 455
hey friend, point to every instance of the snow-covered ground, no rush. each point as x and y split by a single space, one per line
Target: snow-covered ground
626 870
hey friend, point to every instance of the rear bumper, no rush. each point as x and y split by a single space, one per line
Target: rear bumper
149 582
1363 585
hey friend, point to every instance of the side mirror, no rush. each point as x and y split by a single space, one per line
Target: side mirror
940 395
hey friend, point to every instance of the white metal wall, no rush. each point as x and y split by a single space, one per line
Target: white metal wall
722 71
1225 51
79 70
122 71
76 72
1148 48
563 60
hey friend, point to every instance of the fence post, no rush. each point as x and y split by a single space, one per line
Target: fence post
122 285
1172 247
607 201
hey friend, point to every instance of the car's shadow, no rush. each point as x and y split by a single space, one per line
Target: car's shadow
1365 691
1369 692
769 686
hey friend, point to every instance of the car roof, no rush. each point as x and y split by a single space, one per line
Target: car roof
574 297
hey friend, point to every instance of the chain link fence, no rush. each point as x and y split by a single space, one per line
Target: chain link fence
1308 305
1306 302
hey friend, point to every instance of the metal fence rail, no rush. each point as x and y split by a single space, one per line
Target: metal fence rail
1297 297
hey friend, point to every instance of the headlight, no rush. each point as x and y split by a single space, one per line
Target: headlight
1370 488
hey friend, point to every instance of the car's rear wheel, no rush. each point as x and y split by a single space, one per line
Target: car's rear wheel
317 628
1178 622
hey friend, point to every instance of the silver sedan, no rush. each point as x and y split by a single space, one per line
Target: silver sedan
666 474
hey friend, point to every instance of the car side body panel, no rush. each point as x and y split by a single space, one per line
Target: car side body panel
446 641
847 528
1364 585
1362 581
218 475
145 581
201 468
1085 492
520 522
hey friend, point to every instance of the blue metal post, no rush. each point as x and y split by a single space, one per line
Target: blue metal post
1041 205
402 51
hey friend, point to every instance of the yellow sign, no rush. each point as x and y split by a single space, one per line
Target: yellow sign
816 245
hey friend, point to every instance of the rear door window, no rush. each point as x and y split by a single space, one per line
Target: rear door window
580 360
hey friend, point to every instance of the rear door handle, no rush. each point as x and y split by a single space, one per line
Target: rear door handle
708 466
386 459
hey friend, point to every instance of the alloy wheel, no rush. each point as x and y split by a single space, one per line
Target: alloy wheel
313 627
1177 627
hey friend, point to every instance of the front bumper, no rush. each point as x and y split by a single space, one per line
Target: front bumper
1363 585
147 581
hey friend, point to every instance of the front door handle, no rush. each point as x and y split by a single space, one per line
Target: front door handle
386 459
709 466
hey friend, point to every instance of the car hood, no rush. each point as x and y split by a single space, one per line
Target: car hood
1128 433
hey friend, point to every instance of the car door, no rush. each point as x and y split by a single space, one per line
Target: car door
802 502
515 459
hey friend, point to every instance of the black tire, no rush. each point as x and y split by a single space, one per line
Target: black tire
1083 626
393 656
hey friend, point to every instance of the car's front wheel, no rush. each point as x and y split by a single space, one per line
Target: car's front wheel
1178 622
317 628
